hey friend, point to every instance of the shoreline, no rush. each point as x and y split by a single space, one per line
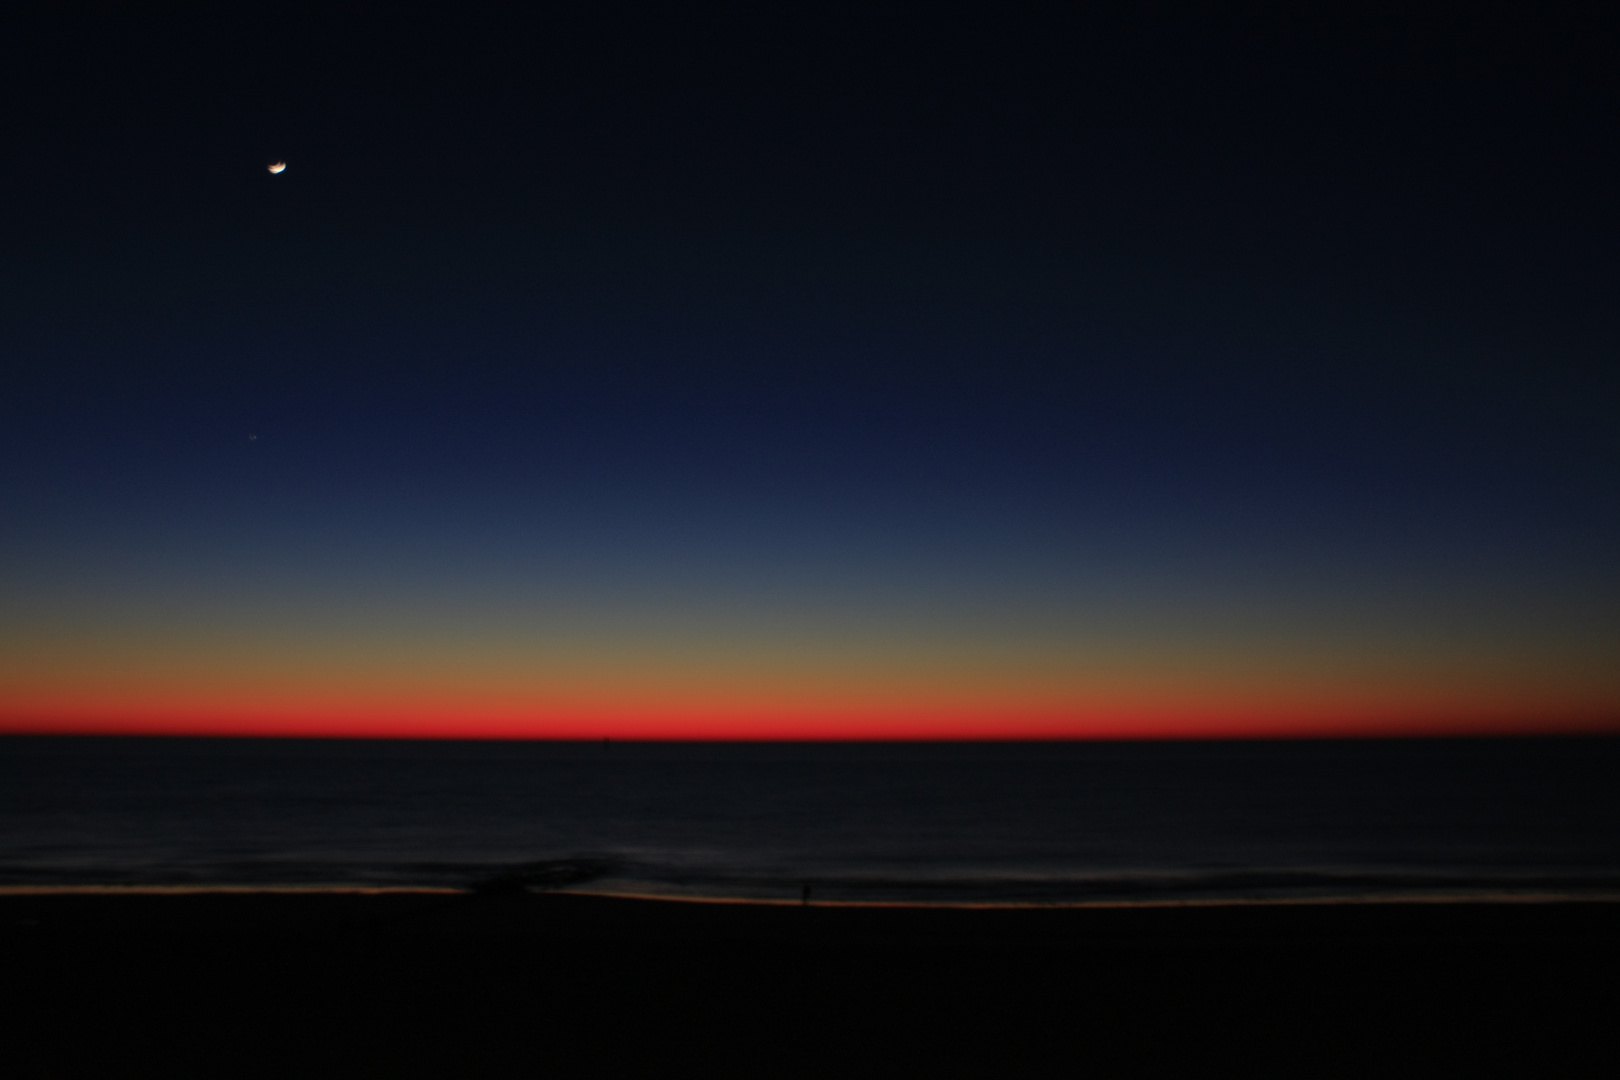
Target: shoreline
1466 898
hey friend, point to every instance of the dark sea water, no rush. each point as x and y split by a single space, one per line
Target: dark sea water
928 822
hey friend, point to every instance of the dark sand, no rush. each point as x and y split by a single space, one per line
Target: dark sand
517 983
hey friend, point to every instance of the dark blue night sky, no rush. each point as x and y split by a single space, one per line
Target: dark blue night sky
819 372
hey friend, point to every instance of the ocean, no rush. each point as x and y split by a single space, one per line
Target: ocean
851 822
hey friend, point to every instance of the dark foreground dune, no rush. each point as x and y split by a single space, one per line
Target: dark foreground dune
519 983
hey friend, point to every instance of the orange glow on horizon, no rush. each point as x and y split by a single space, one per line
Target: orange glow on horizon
158 687
767 721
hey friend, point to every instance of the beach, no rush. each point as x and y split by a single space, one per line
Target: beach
255 982
564 540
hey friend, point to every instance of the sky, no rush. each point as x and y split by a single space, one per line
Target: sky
912 372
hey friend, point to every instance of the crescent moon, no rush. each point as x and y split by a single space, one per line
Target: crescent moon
280 166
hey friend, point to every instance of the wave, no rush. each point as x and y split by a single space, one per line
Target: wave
922 885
